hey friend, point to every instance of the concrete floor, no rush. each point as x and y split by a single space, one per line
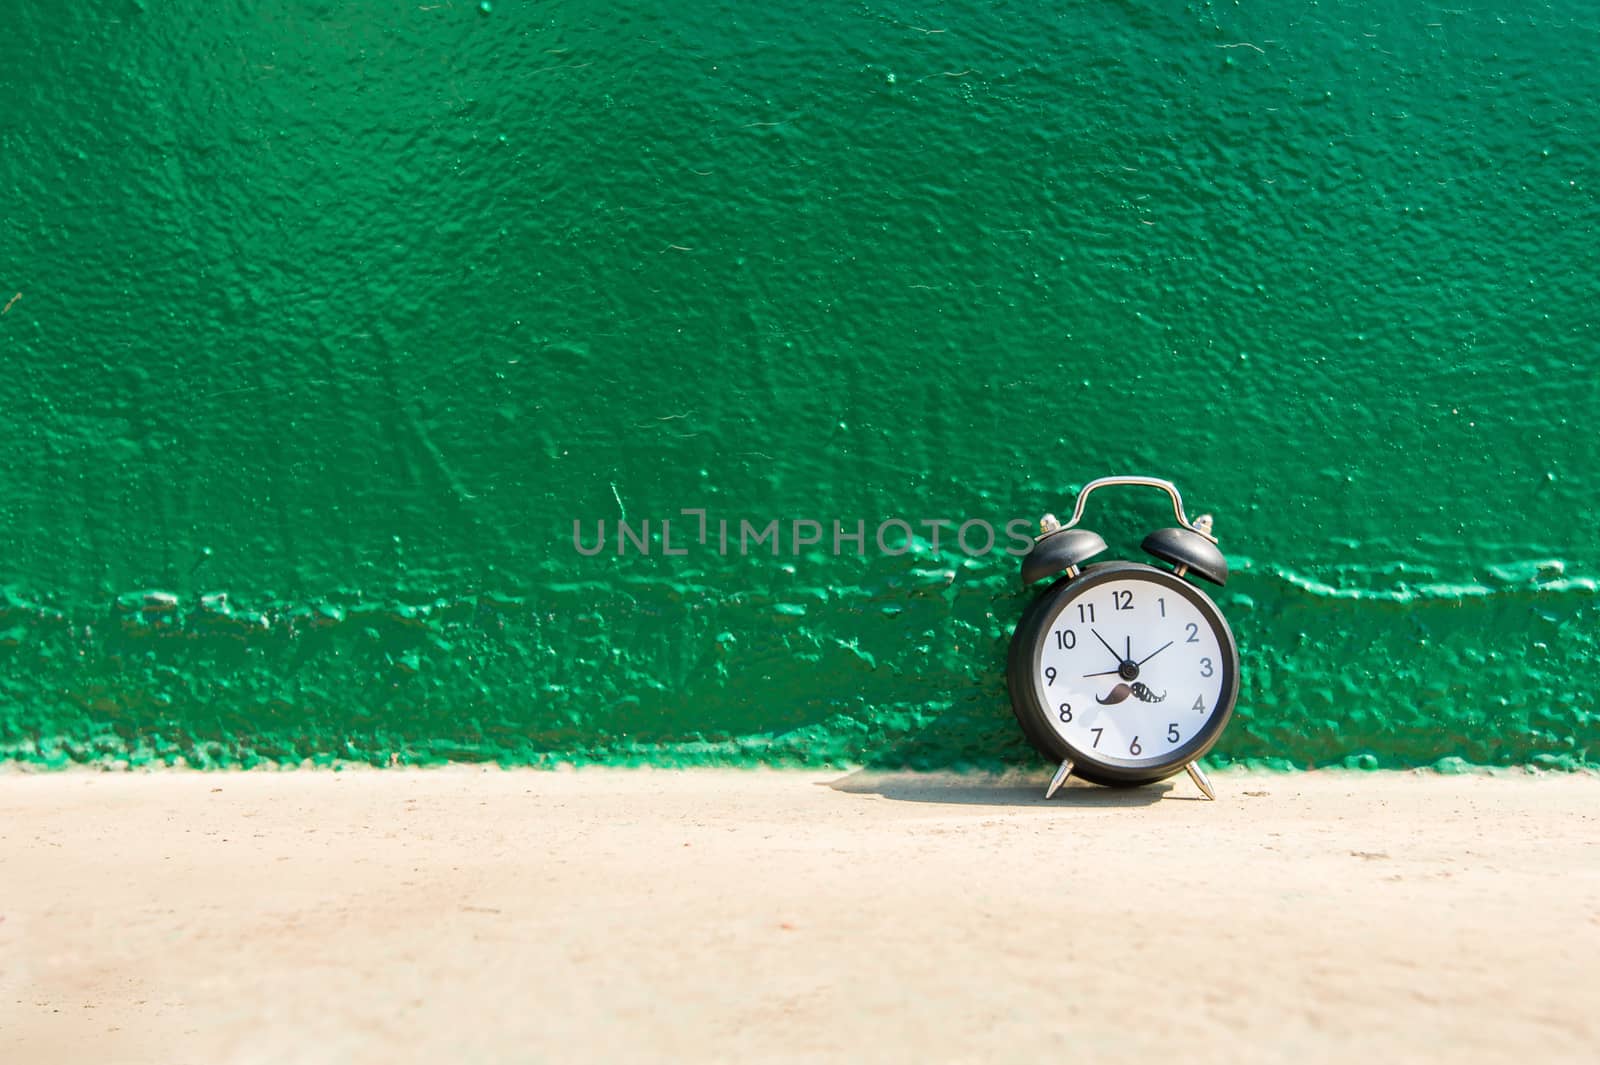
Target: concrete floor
467 915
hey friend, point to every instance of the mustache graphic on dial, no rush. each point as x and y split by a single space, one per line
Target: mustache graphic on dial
1137 689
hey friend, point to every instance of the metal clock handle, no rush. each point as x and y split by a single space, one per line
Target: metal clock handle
1200 525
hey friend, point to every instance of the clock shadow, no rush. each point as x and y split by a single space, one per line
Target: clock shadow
1006 790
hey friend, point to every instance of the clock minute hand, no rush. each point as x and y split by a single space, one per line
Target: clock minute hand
1152 654
1107 646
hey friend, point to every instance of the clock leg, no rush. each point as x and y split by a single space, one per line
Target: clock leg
1200 779
1060 778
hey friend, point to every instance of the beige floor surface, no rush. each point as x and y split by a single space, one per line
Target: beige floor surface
465 915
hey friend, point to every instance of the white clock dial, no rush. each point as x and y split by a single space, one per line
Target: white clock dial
1130 671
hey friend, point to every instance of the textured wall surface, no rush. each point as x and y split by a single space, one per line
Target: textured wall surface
324 322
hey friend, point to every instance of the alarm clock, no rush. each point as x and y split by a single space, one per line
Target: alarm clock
1124 672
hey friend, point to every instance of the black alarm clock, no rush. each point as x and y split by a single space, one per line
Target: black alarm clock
1124 672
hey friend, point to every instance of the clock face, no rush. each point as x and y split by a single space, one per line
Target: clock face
1134 668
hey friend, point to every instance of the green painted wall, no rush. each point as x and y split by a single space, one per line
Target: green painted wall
334 317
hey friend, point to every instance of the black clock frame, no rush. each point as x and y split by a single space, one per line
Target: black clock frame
1031 707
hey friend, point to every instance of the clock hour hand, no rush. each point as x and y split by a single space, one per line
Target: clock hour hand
1107 646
